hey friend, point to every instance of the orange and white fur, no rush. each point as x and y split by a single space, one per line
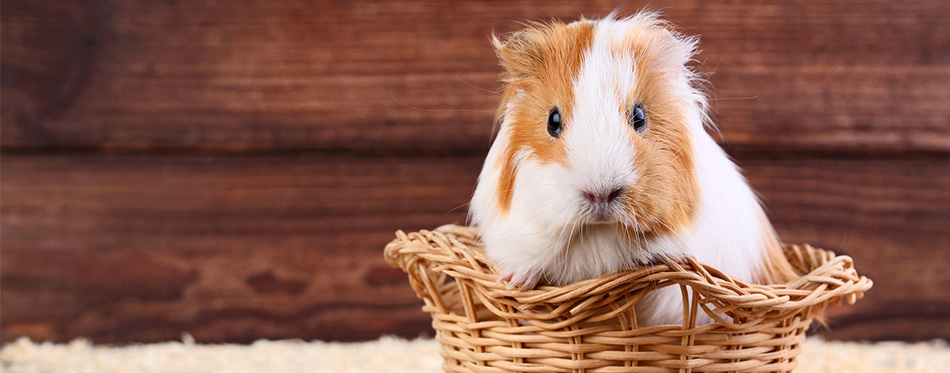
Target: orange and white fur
624 174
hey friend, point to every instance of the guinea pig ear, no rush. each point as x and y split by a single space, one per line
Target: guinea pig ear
687 46
509 51
520 52
676 50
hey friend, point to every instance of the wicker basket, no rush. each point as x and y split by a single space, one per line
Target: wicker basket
590 326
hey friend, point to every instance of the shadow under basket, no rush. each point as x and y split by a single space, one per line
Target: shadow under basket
590 326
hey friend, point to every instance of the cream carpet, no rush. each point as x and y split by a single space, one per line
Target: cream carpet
389 355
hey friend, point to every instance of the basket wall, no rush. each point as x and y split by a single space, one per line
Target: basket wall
591 326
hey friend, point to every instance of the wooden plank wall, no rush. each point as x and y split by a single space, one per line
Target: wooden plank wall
233 169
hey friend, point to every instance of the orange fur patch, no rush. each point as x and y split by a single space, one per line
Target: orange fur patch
776 269
541 62
664 198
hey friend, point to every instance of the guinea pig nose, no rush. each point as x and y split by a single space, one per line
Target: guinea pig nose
603 197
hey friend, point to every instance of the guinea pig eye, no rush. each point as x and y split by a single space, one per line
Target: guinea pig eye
638 118
554 123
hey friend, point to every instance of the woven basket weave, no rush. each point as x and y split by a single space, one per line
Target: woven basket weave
590 326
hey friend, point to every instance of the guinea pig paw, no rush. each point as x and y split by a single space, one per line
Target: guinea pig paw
522 281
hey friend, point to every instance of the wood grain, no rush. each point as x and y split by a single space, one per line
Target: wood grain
233 169
846 76
228 249
891 216
234 248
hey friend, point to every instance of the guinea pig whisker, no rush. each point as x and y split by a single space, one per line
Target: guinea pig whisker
456 208
640 247
477 87
661 189
682 170
581 235
438 110
671 229
733 98
669 172
562 248
628 230
488 196
689 206
669 199
637 230
652 153
470 202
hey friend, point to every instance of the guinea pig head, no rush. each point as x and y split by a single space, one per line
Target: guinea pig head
596 126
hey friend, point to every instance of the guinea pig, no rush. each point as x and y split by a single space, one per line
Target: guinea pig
602 162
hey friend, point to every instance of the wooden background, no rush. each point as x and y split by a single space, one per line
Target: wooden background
233 169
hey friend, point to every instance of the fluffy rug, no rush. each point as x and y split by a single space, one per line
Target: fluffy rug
390 355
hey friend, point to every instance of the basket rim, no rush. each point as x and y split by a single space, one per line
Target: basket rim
452 250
